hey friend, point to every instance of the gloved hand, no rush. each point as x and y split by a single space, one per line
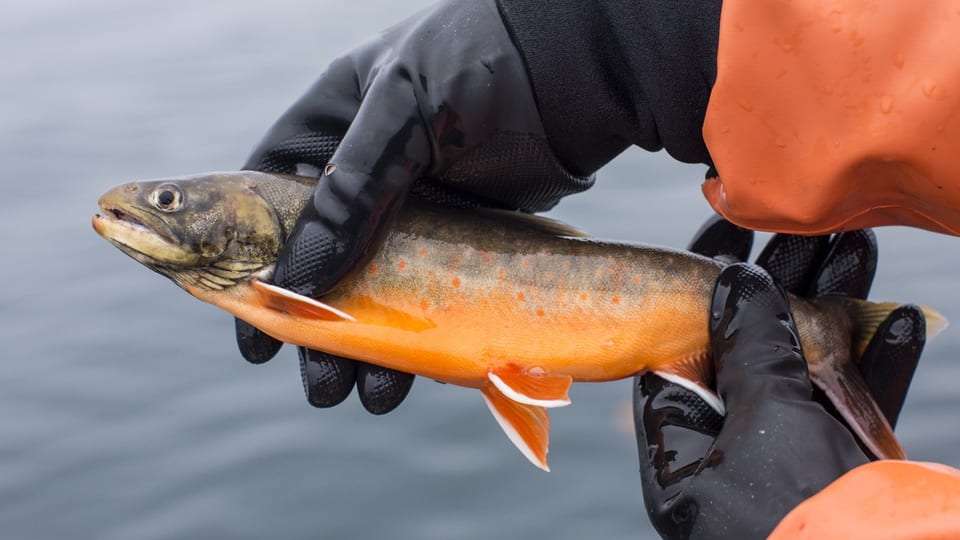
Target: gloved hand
705 476
439 104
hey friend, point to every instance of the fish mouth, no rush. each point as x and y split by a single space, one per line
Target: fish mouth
141 239
129 219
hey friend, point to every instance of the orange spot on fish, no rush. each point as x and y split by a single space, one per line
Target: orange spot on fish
520 296
584 296
615 299
431 274
636 279
567 265
424 305
372 269
455 282
525 263
539 313
422 252
401 264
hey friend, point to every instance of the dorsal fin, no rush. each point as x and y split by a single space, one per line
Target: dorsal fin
531 221
527 426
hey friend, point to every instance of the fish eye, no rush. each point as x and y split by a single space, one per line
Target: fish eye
167 198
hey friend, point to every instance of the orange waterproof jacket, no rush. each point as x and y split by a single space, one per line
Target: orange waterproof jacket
884 499
834 115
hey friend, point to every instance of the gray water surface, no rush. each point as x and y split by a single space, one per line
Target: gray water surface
126 411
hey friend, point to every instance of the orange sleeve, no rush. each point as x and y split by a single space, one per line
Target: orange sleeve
883 499
833 115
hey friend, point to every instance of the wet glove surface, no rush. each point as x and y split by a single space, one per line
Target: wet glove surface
437 107
705 476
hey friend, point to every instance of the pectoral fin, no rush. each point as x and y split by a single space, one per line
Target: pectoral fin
532 388
527 426
695 374
290 302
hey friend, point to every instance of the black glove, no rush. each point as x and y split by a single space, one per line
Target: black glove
440 106
709 477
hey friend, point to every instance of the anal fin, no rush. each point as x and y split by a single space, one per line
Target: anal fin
531 387
846 389
281 299
527 426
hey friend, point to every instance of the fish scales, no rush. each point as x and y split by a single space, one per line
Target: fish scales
601 310
513 305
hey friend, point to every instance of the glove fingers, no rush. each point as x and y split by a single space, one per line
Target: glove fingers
793 260
363 184
327 378
311 261
675 429
671 454
255 346
753 335
891 358
381 389
387 140
718 238
849 266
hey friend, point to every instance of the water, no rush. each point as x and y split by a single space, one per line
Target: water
125 409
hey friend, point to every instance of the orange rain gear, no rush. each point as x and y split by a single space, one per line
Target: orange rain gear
884 499
838 115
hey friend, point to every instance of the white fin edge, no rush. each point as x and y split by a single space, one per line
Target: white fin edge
506 390
707 396
515 437
935 322
307 300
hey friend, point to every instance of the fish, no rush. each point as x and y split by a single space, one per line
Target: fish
514 305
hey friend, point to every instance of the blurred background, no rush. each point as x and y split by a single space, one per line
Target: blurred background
125 409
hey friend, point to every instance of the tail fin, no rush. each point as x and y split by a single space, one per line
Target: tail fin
844 384
867 317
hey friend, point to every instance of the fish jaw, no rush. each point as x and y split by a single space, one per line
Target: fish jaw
141 243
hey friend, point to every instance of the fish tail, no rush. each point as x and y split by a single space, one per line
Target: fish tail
867 317
848 390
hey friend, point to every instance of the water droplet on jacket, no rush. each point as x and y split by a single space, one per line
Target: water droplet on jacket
929 86
886 104
785 45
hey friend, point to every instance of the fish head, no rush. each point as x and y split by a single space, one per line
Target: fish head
211 230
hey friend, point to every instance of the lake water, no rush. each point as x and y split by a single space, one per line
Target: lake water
126 411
